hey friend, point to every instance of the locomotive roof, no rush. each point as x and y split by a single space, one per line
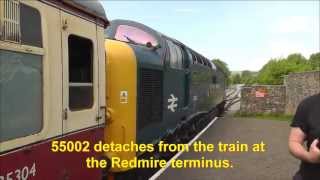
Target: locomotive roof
114 23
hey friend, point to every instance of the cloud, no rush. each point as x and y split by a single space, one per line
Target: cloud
298 34
185 10
282 48
294 24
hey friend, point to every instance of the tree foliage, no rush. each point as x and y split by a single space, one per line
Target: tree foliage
235 78
224 68
245 77
276 69
222 65
315 61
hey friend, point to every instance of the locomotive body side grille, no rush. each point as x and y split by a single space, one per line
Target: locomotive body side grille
149 97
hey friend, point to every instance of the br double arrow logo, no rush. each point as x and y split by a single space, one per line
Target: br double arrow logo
173 103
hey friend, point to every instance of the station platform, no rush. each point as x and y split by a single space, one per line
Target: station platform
276 163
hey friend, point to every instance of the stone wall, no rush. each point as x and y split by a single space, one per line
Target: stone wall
282 99
263 99
300 86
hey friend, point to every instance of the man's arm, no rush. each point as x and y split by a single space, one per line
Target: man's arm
296 148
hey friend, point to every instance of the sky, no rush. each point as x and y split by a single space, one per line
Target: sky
244 34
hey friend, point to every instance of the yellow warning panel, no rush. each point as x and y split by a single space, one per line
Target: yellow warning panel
121 97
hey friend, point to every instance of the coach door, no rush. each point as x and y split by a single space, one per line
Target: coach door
80 74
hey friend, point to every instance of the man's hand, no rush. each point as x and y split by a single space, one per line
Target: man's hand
314 152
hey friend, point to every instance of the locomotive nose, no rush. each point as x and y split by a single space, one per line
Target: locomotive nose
121 98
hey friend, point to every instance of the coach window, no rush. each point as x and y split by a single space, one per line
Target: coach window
80 73
20 94
134 35
30 22
21 83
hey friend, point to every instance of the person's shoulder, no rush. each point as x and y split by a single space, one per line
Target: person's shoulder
311 100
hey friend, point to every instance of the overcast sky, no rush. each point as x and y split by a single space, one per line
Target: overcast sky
244 34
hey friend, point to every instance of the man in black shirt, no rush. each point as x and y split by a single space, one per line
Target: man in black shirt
306 127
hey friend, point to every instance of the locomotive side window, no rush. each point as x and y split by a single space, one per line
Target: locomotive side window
199 59
175 56
20 94
30 22
189 58
205 62
134 35
179 57
194 58
80 73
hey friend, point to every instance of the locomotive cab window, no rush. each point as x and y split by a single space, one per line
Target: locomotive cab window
80 73
134 35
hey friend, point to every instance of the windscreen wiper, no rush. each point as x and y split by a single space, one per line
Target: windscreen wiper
130 40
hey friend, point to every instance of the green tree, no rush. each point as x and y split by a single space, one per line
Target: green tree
275 70
247 77
224 68
314 60
235 78
222 65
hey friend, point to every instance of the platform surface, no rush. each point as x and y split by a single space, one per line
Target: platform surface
275 164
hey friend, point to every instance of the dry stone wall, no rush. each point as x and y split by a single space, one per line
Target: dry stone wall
281 99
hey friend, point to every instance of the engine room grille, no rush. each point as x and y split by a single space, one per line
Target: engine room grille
149 97
10 20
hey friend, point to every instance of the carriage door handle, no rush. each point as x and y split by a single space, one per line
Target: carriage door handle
65 114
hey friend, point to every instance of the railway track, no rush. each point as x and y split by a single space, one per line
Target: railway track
196 131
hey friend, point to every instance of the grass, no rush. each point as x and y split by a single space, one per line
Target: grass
265 116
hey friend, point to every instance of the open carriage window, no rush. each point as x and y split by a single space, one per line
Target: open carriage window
80 73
